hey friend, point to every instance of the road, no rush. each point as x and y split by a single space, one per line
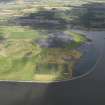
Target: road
87 90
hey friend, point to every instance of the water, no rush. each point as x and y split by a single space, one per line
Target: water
92 54
87 61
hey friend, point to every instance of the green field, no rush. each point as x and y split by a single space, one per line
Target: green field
19 57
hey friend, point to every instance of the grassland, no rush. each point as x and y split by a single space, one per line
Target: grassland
19 57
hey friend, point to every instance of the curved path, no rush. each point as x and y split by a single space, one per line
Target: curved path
88 90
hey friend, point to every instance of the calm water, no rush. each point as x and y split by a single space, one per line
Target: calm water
92 52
